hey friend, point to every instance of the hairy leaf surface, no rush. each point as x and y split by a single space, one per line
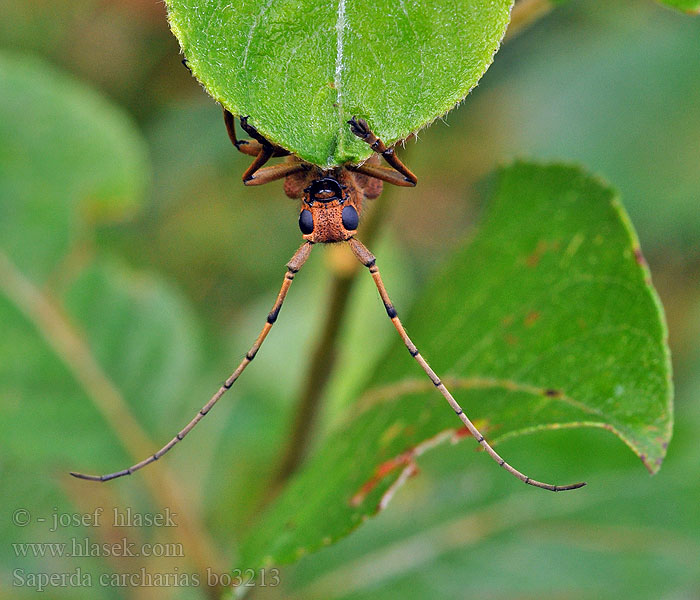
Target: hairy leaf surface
301 69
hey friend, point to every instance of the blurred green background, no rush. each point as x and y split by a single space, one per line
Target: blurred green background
168 265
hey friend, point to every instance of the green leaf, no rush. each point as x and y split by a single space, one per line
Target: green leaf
689 6
301 69
68 160
626 528
546 320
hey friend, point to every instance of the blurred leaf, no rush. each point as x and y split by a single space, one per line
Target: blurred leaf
300 70
640 536
546 320
689 6
68 160
581 94
454 532
136 329
87 346
68 406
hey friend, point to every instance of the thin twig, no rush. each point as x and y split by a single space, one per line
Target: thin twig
70 347
321 365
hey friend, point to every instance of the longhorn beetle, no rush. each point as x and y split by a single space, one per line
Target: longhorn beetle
331 205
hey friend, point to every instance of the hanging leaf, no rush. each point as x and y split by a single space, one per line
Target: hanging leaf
301 69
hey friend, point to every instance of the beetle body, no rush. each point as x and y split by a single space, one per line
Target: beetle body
331 204
331 201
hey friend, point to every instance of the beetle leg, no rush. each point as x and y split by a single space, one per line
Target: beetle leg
272 173
250 147
383 173
361 129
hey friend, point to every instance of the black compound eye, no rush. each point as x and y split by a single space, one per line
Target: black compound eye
350 218
306 222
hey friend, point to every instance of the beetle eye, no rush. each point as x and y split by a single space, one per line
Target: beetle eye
306 222
350 218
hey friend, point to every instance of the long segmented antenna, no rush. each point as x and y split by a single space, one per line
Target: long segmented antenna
293 267
369 261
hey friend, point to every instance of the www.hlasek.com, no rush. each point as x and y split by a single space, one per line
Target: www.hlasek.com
142 578
84 547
